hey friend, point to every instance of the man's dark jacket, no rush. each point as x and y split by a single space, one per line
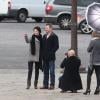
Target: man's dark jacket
50 46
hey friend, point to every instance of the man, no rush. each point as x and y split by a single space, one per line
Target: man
50 46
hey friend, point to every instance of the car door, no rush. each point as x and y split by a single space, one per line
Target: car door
36 8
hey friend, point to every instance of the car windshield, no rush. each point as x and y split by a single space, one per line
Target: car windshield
86 2
79 3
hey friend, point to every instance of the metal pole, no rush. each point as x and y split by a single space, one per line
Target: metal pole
74 26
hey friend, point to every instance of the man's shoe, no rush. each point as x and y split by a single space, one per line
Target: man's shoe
44 87
62 91
51 87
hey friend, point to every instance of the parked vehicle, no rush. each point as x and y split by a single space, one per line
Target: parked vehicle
4 7
23 9
59 12
82 24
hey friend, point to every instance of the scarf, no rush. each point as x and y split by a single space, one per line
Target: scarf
32 43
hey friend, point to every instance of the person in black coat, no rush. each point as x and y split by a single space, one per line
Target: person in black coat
50 46
70 80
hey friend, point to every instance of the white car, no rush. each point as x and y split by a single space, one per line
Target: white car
23 9
4 7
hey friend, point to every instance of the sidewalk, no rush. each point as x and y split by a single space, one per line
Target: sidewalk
13 84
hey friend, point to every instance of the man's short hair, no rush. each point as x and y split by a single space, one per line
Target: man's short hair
50 25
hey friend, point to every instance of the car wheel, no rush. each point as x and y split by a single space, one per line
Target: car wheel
22 16
64 22
38 19
84 27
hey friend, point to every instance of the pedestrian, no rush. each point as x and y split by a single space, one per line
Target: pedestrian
94 50
70 80
35 55
50 46
90 69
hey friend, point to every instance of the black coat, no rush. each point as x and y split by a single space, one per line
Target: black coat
70 80
50 46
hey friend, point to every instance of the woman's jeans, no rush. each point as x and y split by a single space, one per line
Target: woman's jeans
97 71
30 70
49 66
89 75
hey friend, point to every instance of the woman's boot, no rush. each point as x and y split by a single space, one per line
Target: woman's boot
28 84
35 84
88 87
97 91
89 74
87 92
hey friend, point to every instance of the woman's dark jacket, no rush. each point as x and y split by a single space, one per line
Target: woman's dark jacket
70 80
50 46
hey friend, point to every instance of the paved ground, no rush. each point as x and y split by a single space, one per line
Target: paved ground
13 84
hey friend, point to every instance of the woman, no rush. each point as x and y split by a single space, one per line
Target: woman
90 68
35 56
94 50
70 80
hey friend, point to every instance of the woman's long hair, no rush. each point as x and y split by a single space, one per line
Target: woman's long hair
39 37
